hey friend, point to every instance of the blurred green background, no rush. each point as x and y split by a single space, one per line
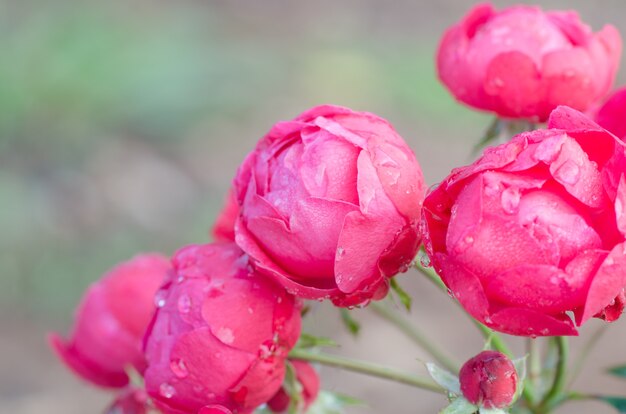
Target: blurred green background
123 122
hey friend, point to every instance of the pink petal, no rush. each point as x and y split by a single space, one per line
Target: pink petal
607 283
527 322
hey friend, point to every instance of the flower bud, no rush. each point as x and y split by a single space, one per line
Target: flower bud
111 321
489 380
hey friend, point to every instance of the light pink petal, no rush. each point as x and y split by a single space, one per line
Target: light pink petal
399 174
267 266
577 174
328 168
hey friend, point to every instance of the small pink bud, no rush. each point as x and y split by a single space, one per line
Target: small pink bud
489 380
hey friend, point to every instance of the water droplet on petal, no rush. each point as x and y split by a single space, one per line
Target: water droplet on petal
179 368
184 304
225 335
425 260
568 173
510 199
166 390
159 298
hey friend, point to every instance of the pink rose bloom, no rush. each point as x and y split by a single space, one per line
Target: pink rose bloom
330 205
522 62
224 227
489 380
612 114
220 338
535 229
309 380
111 321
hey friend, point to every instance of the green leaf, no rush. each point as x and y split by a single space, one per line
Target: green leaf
619 403
293 388
311 341
483 410
402 295
459 406
619 371
520 368
332 403
444 378
353 326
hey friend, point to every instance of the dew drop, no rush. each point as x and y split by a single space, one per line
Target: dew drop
340 251
510 199
166 390
569 172
425 260
179 368
159 298
184 304
225 335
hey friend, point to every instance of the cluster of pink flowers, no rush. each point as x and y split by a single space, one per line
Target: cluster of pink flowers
530 238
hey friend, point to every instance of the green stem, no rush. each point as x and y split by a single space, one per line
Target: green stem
496 341
415 335
554 395
367 368
534 370
584 353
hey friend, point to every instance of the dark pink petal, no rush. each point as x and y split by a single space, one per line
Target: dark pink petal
527 322
514 83
612 114
607 283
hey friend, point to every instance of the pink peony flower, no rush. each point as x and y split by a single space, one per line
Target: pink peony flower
330 204
221 335
522 62
224 227
309 380
534 230
111 321
489 380
612 114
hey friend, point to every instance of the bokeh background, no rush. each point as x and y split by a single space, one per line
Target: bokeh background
122 124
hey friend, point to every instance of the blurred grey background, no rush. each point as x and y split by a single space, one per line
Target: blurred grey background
122 124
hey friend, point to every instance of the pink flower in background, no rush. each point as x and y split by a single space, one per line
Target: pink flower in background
535 229
489 380
220 336
111 320
522 62
224 227
309 380
330 204
612 114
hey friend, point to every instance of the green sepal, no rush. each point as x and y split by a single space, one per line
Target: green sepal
403 296
459 406
310 341
332 403
448 381
353 326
